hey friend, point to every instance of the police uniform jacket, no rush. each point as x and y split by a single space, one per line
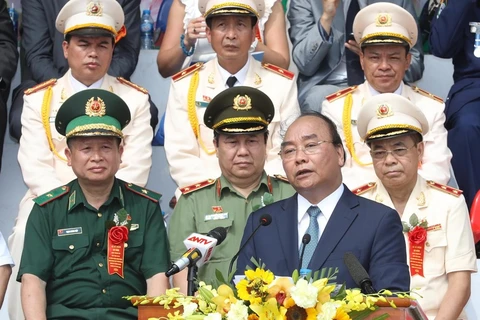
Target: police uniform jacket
436 158
449 246
216 203
190 159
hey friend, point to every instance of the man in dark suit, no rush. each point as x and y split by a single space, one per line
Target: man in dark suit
337 220
325 54
44 58
8 66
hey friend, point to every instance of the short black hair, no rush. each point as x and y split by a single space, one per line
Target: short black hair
332 128
216 136
209 21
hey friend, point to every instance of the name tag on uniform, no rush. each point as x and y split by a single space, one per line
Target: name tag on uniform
216 216
69 231
201 104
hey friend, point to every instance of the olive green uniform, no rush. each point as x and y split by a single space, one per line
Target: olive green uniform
66 246
218 204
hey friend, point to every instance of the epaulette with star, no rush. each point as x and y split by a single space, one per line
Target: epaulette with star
283 72
197 186
444 188
51 195
149 194
132 85
281 178
185 72
366 187
340 93
427 94
40 86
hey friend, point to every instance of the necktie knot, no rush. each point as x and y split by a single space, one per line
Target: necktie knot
231 81
313 211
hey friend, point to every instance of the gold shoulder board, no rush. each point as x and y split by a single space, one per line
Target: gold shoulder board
40 86
444 188
360 190
132 85
185 72
340 93
427 94
283 72
197 186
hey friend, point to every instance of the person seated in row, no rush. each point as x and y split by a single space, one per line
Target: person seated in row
239 117
6 263
188 141
97 238
386 33
88 47
438 236
323 207
186 25
326 53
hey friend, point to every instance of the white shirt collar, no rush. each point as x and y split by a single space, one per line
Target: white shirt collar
77 86
241 75
327 206
374 92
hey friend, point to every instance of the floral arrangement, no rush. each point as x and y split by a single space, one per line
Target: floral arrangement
261 296
416 231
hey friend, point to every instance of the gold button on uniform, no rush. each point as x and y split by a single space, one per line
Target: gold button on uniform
99 215
104 290
126 245
71 247
100 265
98 244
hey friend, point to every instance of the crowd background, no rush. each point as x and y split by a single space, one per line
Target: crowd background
146 74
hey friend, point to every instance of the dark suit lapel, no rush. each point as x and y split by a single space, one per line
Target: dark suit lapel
286 222
338 224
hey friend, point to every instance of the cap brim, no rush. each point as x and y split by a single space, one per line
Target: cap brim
390 134
91 32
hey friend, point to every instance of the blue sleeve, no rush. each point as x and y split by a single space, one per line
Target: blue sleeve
448 27
388 261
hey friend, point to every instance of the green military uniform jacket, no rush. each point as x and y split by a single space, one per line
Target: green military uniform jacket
66 246
215 203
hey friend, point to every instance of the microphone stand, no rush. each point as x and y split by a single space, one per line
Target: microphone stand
191 279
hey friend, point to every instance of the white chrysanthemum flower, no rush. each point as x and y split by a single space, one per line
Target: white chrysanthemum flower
238 311
329 309
189 308
304 294
213 316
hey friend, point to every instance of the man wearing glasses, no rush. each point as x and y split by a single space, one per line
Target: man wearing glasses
386 34
336 220
435 217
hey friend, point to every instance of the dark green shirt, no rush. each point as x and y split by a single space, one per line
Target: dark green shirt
66 246
219 205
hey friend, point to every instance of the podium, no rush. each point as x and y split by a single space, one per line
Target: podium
406 310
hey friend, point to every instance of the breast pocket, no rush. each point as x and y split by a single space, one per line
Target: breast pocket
434 258
134 249
229 246
68 251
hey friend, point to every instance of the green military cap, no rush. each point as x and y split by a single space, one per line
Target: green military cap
92 112
239 110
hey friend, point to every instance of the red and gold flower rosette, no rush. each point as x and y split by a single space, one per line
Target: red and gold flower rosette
117 236
417 238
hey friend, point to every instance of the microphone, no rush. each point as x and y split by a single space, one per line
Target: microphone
200 249
358 273
305 240
265 220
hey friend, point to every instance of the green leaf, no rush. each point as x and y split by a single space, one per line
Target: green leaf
413 220
295 276
341 294
424 224
220 277
256 207
382 317
406 226
267 198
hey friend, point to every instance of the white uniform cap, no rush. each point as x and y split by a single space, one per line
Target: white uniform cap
385 23
387 115
211 8
87 17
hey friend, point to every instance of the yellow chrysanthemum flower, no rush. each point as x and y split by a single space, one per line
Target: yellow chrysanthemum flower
254 287
265 275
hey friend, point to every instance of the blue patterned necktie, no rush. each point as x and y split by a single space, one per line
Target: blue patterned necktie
313 230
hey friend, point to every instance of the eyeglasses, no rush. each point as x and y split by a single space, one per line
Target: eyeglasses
289 153
397 152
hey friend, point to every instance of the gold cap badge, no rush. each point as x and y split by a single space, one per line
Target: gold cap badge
94 9
384 110
242 103
95 108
